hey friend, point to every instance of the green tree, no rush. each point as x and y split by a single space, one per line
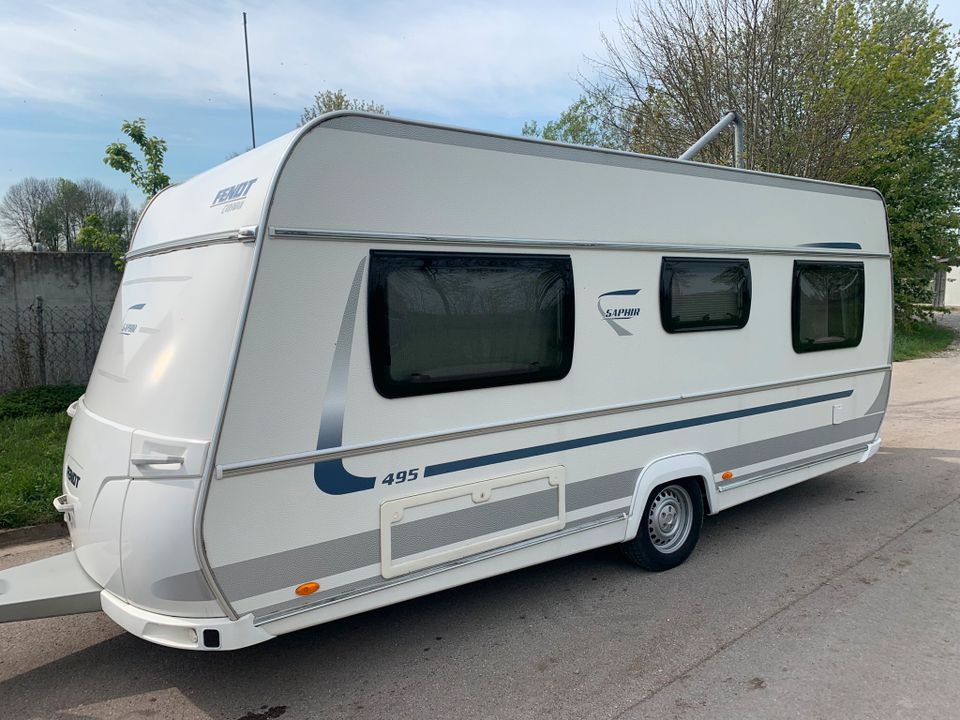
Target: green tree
96 235
147 175
855 91
905 144
48 213
333 100
68 207
585 122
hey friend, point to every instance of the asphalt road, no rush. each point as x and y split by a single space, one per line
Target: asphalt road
837 598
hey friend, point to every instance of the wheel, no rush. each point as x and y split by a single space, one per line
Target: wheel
669 528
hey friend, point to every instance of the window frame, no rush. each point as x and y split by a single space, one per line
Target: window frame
378 324
666 293
798 267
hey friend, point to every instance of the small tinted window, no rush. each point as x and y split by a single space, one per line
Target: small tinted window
827 305
704 294
440 322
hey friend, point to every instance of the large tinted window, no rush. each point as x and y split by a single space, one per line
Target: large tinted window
453 321
827 305
704 294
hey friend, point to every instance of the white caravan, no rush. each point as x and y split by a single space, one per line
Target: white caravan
375 358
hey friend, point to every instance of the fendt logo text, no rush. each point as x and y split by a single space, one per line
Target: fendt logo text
234 193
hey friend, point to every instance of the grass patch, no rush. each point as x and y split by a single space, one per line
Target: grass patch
41 400
919 340
31 460
33 433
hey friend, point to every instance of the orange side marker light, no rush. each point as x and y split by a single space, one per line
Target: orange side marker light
307 588
727 475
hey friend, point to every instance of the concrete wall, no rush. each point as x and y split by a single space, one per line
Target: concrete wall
61 279
53 310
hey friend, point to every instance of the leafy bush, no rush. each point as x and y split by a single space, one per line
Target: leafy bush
41 400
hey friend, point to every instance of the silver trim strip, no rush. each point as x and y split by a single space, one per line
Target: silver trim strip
190 242
281 233
789 469
428 572
344 451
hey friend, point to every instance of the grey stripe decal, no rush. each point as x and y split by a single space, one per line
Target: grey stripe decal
765 450
343 591
271 572
188 587
392 127
255 576
335 398
331 477
743 479
602 489
880 404
434 532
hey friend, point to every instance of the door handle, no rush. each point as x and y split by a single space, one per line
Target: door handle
141 460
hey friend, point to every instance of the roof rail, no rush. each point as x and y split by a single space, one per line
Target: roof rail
731 116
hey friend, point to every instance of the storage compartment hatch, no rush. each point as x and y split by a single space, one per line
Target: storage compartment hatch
420 531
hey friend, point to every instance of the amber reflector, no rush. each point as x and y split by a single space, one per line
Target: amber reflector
726 476
308 589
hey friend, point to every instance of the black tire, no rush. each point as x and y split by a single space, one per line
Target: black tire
669 528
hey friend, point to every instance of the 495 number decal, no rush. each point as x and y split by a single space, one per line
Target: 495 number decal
401 476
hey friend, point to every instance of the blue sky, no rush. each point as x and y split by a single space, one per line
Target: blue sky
70 73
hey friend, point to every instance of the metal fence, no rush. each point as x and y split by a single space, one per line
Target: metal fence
48 344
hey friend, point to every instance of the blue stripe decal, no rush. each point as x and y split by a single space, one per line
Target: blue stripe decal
621 292
837 245
494 458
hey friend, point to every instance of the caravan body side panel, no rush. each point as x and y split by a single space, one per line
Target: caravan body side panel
742 399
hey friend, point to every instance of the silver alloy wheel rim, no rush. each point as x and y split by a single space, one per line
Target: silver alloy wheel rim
670 518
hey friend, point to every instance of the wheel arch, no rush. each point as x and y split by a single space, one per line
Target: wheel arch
663 470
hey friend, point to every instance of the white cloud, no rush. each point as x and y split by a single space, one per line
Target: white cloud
447 58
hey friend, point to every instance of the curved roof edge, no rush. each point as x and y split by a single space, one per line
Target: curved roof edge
237 193
215 203
386 125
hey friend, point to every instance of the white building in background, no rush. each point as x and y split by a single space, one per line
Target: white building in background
951 291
